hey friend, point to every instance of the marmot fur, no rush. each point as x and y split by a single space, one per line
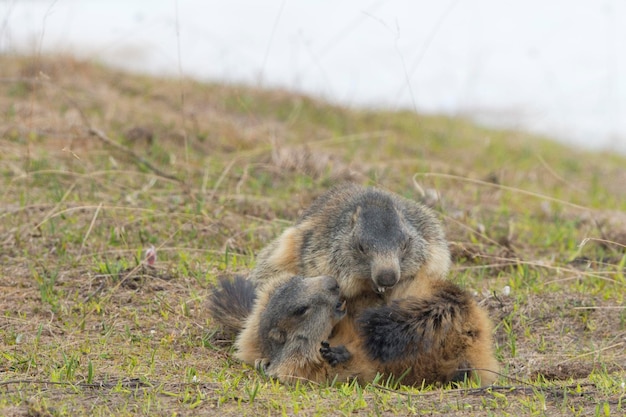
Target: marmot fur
286 330
286 324
390 258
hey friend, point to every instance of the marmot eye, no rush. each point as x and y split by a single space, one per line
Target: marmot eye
407 244
300 311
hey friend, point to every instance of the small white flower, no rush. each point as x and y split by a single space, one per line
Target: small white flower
506 291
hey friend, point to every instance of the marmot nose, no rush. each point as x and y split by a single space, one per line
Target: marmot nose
386 278
331 284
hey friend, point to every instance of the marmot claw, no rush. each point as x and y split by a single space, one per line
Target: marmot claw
334 355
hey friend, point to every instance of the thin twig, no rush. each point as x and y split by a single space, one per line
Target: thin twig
51 213
242 180
221 178
124 383
104 138
96 292
525 387
591 353
594 239
502 187
93 221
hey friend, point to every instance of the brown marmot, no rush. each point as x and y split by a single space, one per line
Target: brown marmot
390 257
283 328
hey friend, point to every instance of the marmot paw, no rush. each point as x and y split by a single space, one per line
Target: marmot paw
261 365
334 355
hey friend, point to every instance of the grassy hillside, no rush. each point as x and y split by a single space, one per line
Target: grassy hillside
99 165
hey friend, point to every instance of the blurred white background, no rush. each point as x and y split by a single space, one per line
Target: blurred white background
555 67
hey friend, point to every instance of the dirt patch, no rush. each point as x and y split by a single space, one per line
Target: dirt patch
566 371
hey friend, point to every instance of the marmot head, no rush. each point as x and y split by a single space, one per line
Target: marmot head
384 245
299 315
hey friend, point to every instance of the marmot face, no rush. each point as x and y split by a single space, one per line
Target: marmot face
299 315
384 246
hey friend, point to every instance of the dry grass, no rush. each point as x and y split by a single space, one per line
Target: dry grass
97 166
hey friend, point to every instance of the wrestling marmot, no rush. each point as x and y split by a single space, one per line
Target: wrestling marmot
286 330
390 258
286 324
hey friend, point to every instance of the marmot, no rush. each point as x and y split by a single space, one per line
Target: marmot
285 329
390 257
286 325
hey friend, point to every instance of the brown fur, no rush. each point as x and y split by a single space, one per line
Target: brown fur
452 335
287 346
387 253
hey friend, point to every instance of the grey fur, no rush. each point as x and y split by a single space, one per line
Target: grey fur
354 232
231 302
298 316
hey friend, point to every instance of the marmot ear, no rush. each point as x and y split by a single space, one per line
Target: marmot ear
356 215
277 336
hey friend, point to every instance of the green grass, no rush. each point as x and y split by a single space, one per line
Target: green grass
87 328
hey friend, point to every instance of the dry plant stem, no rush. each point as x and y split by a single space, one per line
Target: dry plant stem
553 173
594 352
131 383
524 388
501 187
221 178
52 213
104 138
93 221
593 239
100 135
